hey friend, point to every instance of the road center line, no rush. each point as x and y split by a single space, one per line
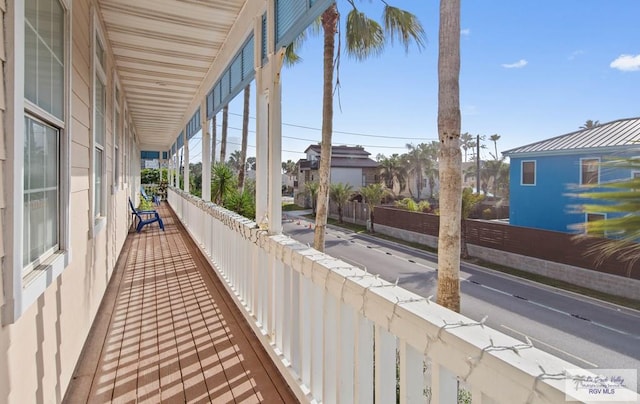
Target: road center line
593 365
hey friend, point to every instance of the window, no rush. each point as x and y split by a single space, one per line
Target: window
40 184
116 140
99 128
528 173
594 217
589 171
44 83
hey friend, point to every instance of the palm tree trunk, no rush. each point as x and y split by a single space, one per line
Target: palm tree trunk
223 139
214 135
450 157
330 28
245 134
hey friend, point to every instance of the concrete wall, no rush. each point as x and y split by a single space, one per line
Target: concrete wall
615 285
39 349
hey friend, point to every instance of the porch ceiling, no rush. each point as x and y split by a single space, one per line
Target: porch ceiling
163 50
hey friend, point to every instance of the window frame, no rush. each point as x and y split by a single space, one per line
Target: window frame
22 288
582 163
98 72
586 220
117 135
535 172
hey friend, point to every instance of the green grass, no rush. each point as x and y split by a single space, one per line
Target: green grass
622 301
290 207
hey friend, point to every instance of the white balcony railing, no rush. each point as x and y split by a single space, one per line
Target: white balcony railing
340 334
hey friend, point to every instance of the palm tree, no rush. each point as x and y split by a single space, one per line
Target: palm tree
289 167
250 165
431 165
493 170
468 202
415 160
450 161
467 142
223 139
222 182
235 161
494 138
590 124
339 194
213 138
311 189
372 195
392 172
245 135
364 38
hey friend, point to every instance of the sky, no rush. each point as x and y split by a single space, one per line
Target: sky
530 70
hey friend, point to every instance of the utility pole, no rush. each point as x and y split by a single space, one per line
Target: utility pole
478 164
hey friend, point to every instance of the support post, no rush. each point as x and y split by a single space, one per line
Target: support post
186 163
206 153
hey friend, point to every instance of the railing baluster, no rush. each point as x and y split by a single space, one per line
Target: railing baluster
346 354
364 366
411 374
331 332
288 307
444 385
279 295
306 313
385 366
317 333
294 328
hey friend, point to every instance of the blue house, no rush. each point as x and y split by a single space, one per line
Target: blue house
545 173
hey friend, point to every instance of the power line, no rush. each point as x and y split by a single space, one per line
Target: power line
316 140
342 132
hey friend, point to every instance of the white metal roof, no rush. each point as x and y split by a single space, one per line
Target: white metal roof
620 133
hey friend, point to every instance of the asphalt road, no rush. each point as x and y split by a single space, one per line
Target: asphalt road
584 331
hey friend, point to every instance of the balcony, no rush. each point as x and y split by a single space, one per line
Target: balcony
238 314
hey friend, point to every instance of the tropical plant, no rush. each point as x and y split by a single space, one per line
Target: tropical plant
392 171
339 194
364 38
250 165
589 124
372 195
466 142
149 176
222 182
494 138
415 162
241 202
450 158
235 161
431 165
245 135
620 201
289 167
411 205
311 190
468 203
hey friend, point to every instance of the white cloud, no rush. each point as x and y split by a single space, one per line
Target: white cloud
626 63
575 54
517 65
465 32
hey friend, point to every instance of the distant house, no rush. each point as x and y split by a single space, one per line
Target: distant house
544 173
349 165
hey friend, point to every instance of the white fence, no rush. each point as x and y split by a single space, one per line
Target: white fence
339 334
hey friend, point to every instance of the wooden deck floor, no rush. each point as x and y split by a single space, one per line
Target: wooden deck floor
168 332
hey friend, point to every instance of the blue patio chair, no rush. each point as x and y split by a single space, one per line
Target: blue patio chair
150 216
155 199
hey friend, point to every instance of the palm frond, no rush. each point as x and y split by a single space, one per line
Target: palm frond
365 36
404 26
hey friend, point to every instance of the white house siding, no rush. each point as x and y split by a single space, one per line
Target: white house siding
351 176
39 349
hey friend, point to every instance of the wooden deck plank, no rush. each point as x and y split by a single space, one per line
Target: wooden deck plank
174 335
